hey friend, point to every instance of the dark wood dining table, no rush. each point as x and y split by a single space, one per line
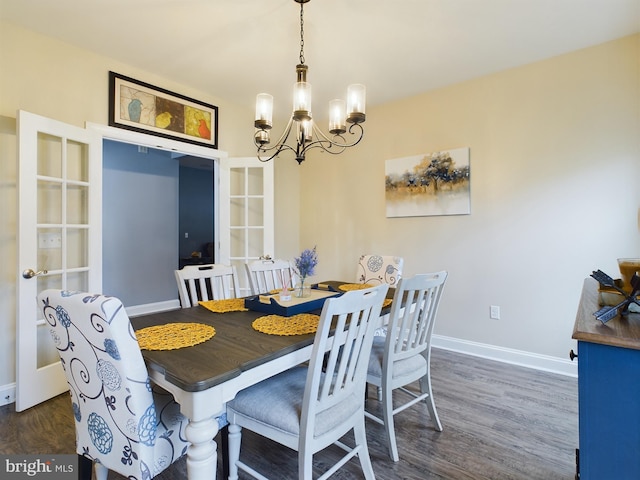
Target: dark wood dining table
204 377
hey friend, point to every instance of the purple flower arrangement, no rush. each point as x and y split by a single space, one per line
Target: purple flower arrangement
305 265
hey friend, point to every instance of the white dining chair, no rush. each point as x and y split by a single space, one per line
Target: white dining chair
206 282
308 408
269 274
404 355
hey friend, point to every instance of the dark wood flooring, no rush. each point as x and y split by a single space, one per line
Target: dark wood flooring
500 422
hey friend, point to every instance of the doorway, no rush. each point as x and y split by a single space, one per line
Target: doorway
196 211
141 221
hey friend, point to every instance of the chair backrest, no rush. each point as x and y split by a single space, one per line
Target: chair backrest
113 406
345 333
206 282
410 327
376 269
267 275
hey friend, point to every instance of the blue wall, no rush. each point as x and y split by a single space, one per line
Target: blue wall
196 210
139 224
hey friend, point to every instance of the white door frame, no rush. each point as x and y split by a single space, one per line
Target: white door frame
161 143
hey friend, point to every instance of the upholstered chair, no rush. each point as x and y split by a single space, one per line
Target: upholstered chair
123 423
377 269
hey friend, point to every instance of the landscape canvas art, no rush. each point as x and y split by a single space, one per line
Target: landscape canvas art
436 183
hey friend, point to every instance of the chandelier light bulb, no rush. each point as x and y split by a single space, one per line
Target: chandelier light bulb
337 117
356 99
264 111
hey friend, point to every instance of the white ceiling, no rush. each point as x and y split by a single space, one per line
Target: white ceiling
234 49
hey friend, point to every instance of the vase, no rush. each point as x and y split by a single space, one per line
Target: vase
302 290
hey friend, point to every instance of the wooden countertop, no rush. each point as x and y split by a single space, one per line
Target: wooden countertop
618 332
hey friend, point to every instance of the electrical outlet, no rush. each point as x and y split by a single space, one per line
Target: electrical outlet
8 394
494 312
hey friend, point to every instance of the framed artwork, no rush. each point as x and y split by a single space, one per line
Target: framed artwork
437 183
138 106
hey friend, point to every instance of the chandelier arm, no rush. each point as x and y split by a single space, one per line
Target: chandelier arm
359 130
326 144
279 146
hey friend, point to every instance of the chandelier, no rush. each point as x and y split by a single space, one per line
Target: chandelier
307 135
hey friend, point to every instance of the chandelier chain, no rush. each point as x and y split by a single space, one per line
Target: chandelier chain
302 33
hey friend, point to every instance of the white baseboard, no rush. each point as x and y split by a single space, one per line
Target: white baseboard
507 355
148 308
7 394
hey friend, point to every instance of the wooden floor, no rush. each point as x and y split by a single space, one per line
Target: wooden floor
500 422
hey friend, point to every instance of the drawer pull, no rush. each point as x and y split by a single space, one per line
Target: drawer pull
572 355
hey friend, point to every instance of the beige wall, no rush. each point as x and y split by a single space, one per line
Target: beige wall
555 193
56 80
555 167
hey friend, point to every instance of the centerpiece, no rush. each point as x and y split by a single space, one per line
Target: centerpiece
305 266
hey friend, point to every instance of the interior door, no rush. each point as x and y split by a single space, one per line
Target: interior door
59 229
246 213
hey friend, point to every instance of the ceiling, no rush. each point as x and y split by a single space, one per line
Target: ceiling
234 49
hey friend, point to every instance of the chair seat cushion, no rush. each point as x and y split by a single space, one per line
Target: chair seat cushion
277 402
401 368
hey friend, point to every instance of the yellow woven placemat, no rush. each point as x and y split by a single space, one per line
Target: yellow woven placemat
224 306
347 287
294 325
172 336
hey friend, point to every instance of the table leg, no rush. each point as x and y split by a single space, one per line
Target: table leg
202 454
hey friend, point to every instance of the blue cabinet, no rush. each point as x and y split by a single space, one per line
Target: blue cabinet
608 391
609 396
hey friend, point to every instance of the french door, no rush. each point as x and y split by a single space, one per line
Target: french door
59 225
246 213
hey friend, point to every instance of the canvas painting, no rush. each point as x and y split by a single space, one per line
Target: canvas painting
435 183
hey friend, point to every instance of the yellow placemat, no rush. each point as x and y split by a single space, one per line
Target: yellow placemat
347 287
294 325
172 336
224 306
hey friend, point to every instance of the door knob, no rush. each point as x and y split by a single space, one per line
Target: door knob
572 355
29 273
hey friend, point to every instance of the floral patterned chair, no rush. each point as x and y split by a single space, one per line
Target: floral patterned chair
123 423
377 269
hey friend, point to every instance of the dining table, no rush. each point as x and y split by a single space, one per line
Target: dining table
204 377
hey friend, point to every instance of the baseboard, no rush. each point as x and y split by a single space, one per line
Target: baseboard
7 394
147 308
507 355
